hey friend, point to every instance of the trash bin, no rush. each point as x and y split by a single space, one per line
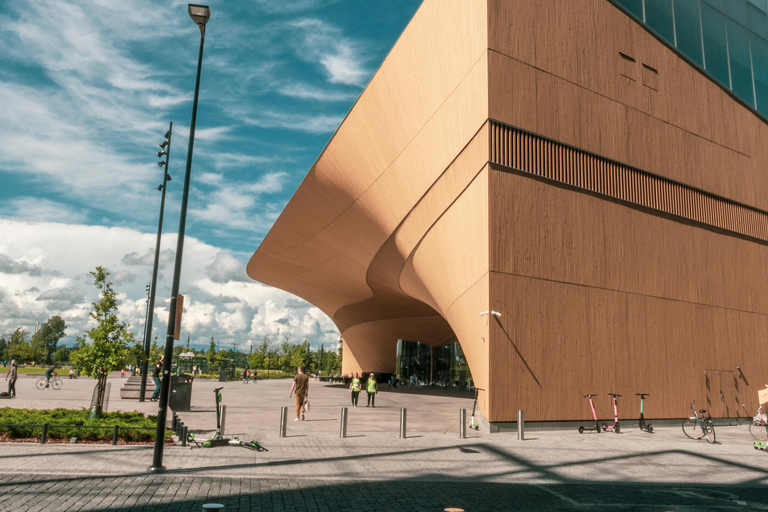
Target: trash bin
223 375
181 392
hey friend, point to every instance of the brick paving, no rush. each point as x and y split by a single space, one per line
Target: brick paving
432 469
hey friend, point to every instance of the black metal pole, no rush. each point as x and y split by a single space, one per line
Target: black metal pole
162 409
151 308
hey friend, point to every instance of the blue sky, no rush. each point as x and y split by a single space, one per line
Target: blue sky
88 89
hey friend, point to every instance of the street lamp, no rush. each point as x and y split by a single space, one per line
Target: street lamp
200 14
166 151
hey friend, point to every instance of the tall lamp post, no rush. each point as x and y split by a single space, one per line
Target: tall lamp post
200 14
165 147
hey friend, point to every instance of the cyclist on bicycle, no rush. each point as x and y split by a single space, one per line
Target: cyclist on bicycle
49 372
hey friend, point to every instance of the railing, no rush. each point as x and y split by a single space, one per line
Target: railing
46 426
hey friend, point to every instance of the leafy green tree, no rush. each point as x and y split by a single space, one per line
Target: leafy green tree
47 338
61 355
211 352
19 347
3 348
110 338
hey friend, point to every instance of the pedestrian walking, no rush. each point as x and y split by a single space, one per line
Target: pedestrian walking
354 388
156 379
122 373
371 388
301 387
12 375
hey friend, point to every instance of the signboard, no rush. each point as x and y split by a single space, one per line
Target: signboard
177 323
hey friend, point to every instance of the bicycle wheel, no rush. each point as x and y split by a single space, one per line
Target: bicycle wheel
757 430
709 431
57 384
40 384
691 428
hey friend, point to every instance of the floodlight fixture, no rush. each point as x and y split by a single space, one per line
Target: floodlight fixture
159 187
163 144
161 153
160 163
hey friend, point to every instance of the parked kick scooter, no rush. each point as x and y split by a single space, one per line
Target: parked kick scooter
643 425
217 440
582 428
472 423
615 427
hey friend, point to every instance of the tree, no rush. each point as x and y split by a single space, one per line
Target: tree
47 338
19 347
61 355
211 352
109 339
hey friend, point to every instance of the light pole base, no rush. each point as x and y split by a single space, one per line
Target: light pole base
156 469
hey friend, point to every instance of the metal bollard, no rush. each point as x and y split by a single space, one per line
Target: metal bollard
402 423
223 418
44 434
184 435
114 434
520 426
174 420
343 429
462 423
283 420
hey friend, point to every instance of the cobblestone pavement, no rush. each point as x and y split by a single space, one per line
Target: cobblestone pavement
373 470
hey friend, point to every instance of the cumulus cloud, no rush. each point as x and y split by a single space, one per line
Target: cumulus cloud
225 268
9 266
220 300
148 259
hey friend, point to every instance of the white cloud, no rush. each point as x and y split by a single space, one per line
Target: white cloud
315 124
305 91
219 300
292 6
340 56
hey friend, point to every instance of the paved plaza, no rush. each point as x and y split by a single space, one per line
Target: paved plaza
432 469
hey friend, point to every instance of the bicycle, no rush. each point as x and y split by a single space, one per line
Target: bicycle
55 383
699 426
758 424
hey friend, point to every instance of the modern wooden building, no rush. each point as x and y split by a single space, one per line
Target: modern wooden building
564 164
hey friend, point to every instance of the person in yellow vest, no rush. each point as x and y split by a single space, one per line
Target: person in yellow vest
354 389
371 388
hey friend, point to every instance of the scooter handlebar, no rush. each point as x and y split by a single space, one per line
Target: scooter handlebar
615 394
217 389
589 396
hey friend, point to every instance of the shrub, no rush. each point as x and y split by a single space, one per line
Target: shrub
77 419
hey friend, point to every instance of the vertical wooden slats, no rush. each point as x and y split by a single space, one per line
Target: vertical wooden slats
524 151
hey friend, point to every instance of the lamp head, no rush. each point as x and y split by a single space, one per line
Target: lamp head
200 14
167 177
160 164
164 144
167 135
159 187
161 153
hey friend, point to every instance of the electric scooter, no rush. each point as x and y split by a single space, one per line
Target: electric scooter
582 428
217 440
472 423
643 425
615 427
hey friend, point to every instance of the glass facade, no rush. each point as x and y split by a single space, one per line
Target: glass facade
727 38
423 365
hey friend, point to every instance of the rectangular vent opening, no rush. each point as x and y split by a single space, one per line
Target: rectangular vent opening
649 68
627 57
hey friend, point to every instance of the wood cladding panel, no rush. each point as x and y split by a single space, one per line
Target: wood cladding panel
421 107
530 153
599 297
567 83
556 342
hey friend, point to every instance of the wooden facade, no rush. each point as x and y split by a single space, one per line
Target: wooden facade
557 163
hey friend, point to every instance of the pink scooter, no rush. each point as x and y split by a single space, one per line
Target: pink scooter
615 427
594 415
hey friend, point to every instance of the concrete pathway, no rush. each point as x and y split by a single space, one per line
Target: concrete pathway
431 470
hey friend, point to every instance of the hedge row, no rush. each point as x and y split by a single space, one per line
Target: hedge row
79 417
